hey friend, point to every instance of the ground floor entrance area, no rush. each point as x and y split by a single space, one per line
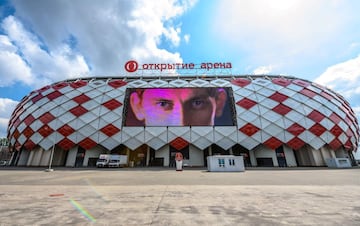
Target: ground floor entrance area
145 156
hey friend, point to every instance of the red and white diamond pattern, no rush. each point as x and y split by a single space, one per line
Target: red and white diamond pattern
304 114
68 114
269 110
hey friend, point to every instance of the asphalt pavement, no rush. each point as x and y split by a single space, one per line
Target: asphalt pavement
194 196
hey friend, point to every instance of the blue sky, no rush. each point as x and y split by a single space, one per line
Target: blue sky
43 41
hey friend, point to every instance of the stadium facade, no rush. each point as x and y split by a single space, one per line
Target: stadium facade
269 120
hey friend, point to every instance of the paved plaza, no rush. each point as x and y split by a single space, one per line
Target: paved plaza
163 196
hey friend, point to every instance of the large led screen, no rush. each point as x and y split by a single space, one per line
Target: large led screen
210 106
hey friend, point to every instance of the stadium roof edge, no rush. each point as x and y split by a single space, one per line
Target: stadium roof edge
170 77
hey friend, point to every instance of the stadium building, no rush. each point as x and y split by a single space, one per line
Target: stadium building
269 120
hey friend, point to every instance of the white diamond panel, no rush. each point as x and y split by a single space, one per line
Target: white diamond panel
317 142
178 83
220 83
202 143
183 132
110 143
249 143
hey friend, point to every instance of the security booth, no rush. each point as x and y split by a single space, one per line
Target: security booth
338 163
225 163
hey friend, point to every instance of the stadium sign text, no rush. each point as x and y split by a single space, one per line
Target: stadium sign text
132 66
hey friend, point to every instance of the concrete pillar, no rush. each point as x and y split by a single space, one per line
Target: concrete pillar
289 156
252 158
318 160
45 158
231 151
128 155
325 154
147 156
31 156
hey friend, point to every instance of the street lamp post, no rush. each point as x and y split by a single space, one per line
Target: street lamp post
51 159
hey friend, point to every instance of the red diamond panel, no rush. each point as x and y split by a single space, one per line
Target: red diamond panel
246 103
78 84
335 144
112 104
78 110
16 134
295 143
348 145
295 129
29 119
60 85
308 93
17 122
349 133
53 95
241 82
179 143
66 144
66 130
336 130
81 99
87 143
281 109
44 88
301 83
317 129
316 116
326 95
45 131
110 130
46 117
117 83
335 118
273 143
28 132
279 97
281 81
249 129
29 145
37 98
17 146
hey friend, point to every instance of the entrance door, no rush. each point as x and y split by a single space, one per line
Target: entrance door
79 162
280 155
153 161
239 150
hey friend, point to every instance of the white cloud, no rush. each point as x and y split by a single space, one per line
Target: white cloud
187 38
12 66
107 33
343 77
7 106
357 111
32 65
262 70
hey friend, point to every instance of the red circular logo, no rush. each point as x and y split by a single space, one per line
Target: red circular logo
131 66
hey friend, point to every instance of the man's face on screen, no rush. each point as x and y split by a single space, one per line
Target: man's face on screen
175 107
